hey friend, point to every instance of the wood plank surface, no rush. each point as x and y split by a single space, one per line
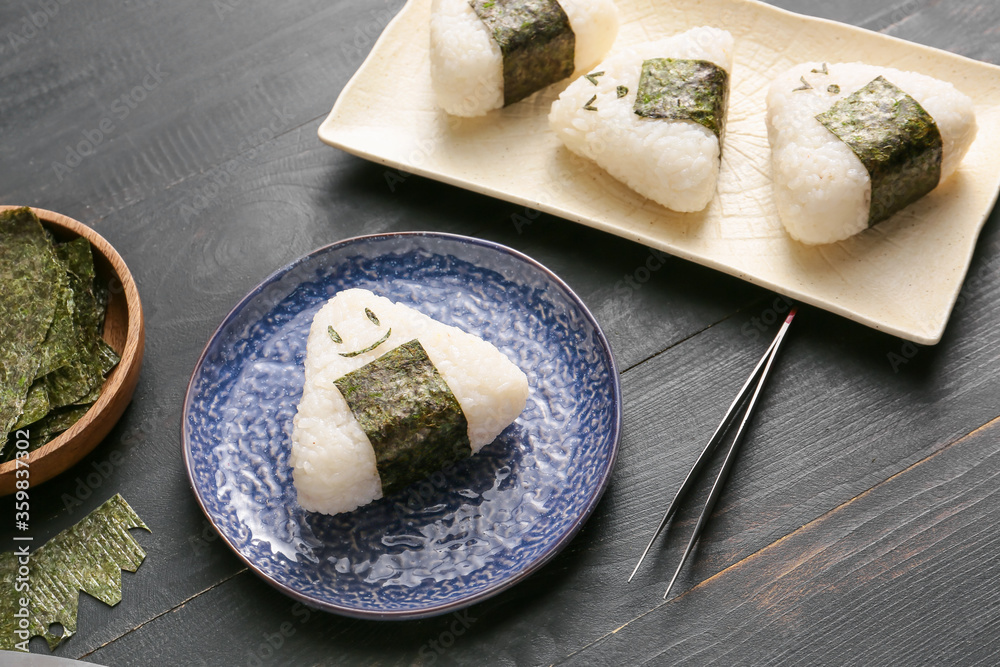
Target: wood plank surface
859 495
180 88
903 574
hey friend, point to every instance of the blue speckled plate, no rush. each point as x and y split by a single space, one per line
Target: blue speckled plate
459 536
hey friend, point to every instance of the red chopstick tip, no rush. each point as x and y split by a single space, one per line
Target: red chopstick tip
791 314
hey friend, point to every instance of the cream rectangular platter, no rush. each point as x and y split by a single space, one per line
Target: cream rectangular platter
902 276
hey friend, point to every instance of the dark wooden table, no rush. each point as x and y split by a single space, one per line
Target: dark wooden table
859 526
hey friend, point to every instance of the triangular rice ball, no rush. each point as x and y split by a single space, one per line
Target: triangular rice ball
392 362
673 162
822 188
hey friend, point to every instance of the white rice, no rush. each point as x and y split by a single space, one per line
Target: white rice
673 162
333 461
466 65
821 188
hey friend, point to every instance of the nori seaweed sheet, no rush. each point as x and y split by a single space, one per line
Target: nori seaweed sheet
896 140
60 343
74 383
78 259
80 380
44 430
91 299
679 89
409 414
536 42
36 405
52 353
86 557
57 421
28 269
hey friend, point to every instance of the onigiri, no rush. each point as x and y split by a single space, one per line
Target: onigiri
852 144
390 396
653 116
486 54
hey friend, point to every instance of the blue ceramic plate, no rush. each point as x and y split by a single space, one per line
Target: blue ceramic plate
458 537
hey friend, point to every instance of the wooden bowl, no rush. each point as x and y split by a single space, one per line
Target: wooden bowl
124 331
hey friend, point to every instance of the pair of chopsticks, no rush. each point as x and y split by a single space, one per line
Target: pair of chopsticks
752 389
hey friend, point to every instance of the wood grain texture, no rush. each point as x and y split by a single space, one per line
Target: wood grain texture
902 574
109 105
203 204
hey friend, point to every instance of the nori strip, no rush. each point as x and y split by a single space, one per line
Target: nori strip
678 89
75 291
896 140
370 347
57 421
87 557
90 398
101 296
409 414
536 42
78 259
36 405
805 85
74 383
59 347
89 312
46 429
80 381
28 269
107 356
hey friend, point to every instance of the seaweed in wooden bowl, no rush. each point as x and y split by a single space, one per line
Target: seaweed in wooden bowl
73 337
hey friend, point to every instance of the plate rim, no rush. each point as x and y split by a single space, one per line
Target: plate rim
441 608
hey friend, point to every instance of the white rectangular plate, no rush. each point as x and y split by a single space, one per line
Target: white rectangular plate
902 276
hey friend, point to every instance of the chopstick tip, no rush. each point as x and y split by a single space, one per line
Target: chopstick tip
669 587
